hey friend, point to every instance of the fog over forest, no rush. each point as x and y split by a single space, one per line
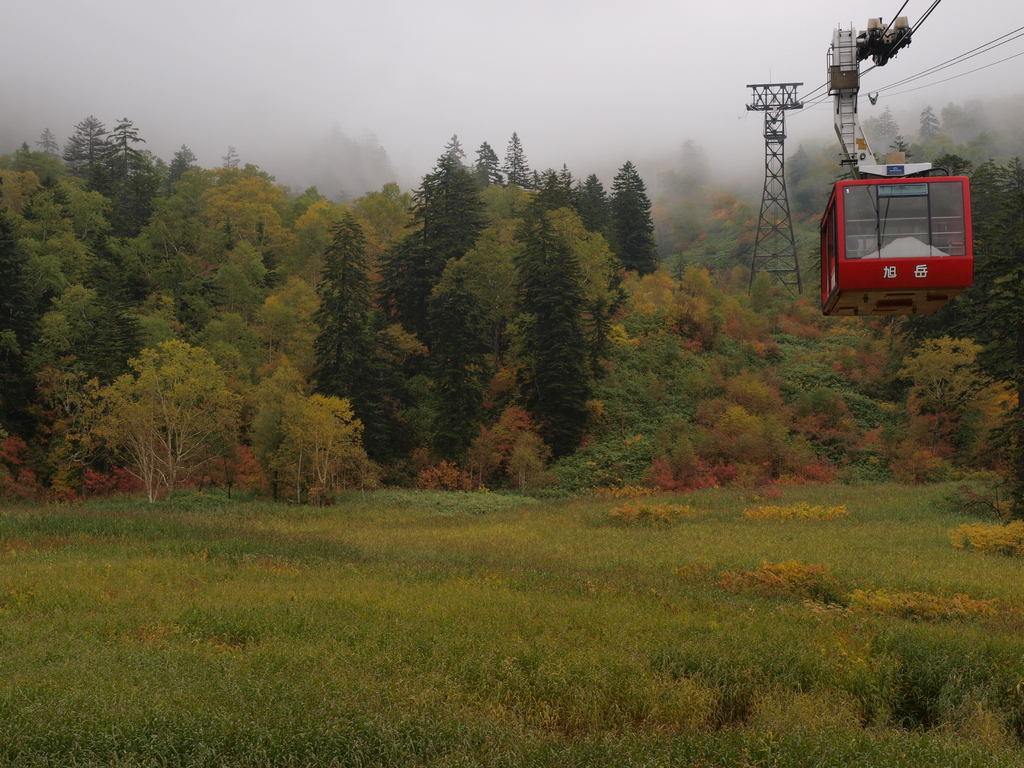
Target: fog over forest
349 96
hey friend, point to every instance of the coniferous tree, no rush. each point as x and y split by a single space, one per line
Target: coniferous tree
632 226
555 381
184 160
122 156
591 202
17 328
230 160
995 313
460 360
882 130
553 192
447 219
133 180
343 345
487 167
454 150
929 124
517 170
899 144
349 362
565 176
953 164
87 148
48 143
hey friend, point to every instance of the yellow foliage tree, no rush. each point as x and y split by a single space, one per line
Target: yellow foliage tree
286 324
169 416
945 381
322 451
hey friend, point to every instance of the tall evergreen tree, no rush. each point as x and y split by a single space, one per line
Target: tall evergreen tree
17 328
591 202
348 363
566 178
555 381
487 168
953 164
343 345
133 180
447 219
230 160
184 160
48 143
553 193
460 360
882 130
517 170
995 312
632 226
899 144
87 148
454 150
122 156
929 124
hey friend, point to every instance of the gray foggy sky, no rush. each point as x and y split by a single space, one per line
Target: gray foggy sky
589 84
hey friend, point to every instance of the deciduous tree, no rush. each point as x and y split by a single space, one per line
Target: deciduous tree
321 451
944 379
169 416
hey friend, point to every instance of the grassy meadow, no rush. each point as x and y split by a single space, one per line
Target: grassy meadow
414 628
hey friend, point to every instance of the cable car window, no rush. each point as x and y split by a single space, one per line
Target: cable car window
895 221
861 213
903 226
833 252
947 203
902 190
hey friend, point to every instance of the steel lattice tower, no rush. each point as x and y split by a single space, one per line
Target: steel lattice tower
775 247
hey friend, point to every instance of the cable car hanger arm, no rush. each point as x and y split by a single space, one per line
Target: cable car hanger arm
879 43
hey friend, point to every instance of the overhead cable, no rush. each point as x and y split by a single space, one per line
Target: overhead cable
990 45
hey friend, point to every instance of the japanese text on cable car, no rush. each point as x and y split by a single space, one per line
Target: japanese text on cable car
921 270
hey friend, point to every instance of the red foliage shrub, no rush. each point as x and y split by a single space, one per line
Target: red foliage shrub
17 477
239 470
117 480
669 475
490 452
445 476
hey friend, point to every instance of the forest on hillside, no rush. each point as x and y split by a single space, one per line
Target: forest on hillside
165 326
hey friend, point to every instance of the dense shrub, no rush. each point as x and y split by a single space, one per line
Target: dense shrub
657 513
919 605
801 511
997 539
789 579
445 476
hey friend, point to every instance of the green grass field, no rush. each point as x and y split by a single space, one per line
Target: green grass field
482 629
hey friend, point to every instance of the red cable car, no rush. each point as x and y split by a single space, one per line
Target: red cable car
896 246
